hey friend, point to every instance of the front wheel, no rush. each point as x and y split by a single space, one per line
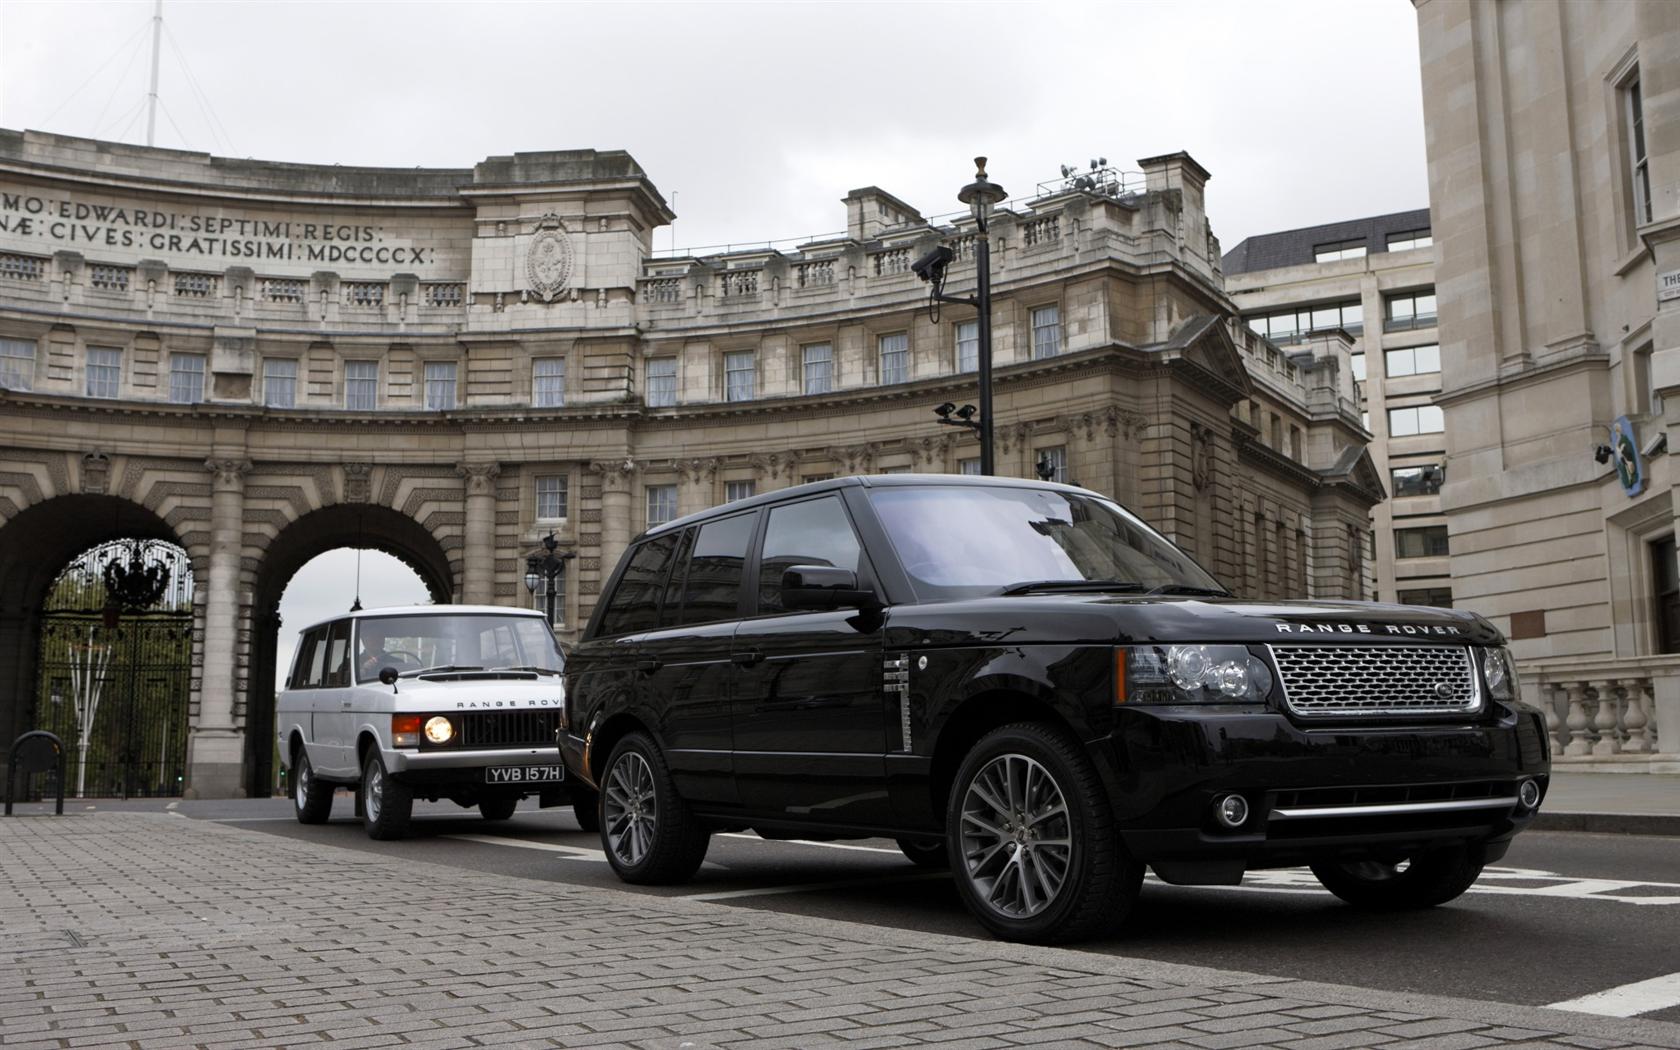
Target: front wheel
311 796
650 836
1035 854
386 803
1421 880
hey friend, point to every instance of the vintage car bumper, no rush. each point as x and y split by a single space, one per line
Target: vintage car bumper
409 760
1314 792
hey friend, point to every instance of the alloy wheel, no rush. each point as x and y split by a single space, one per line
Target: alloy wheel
373 792
300 788
1017 843
630 809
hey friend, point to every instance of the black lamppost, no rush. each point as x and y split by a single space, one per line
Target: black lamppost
981 196
543 571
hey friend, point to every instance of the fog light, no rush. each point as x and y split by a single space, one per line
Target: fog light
1232 811
1528 794
439 730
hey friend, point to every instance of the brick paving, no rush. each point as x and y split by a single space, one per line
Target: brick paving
137 930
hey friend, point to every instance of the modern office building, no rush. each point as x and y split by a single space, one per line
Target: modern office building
257 362
1370 282
1553 131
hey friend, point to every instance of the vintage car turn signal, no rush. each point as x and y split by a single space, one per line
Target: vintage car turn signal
405 730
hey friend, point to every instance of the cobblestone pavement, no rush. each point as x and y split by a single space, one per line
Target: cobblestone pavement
150 931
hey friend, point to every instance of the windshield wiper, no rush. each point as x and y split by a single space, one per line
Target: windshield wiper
1028 586
533 668
1191 589
440 669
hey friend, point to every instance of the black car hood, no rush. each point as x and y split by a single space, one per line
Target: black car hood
1123 619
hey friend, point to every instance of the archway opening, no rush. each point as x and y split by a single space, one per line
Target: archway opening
309 573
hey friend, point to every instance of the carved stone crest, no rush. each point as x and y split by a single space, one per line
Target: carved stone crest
548 259
356 489
96 473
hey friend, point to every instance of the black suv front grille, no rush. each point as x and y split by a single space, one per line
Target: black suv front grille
508 728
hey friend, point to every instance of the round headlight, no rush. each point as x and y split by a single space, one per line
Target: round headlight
1188 665
1231 679
439 730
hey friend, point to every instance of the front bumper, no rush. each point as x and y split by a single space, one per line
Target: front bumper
410 760
1348 791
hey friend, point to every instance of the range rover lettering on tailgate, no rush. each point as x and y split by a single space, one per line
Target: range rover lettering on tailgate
453 702
1025 682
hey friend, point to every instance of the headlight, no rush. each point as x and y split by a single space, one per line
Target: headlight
1499 672
1181 674
439 730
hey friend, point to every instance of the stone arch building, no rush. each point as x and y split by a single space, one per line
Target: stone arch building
262 361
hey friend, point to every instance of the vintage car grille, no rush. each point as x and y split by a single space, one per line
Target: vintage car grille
518 728
1327 680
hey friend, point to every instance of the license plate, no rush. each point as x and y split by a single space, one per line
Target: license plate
524 774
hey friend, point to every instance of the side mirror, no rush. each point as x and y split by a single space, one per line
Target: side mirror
388 675
824 587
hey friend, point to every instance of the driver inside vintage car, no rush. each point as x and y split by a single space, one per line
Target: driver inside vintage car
374 654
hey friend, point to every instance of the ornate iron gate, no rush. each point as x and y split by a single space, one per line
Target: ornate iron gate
114 683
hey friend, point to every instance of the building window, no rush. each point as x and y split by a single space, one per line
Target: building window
1424 479
1358 367
1412 361
1053 460
1339 250
21 267
969 466
809 478
109 278
968 346
539 597
1665 582
1296 323
440 386
661 504
548 382
1399 242
194 285
740 374
1365 421
1440 597
1046 332
282 290
817 362
1638 170
1428 541
364 293
104 371
1297 444
444 295
361 385
735 491
1410 310
661 382
279 382
895 358
17 364
186 378
551 497
1424 419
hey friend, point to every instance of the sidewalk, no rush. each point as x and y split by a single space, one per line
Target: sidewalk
140 930
1617 803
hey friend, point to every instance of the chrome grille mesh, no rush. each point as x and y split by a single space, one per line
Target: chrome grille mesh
1323 680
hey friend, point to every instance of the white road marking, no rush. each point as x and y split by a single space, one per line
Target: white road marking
1494 881
568 852
813 842
1628 1000
849 884
171 806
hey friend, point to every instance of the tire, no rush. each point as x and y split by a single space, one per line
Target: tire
650 836
1057 878
386 803
497 808
586 807
925 853
312 797
1430 878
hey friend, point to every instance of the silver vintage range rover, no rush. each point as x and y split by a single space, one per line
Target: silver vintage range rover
456 702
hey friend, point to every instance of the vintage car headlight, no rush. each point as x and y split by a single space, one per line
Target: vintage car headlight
439 730
1183 674
1499 672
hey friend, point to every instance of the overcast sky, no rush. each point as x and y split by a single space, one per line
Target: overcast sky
756 118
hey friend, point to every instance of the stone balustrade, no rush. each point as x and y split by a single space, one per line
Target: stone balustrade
1610 714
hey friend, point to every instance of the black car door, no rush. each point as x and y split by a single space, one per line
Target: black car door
809 713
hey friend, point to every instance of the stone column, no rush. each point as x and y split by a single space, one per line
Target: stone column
478 547
216 748
615 509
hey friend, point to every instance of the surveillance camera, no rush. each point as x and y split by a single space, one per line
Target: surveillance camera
944 411
1601 453
931 266
1658 442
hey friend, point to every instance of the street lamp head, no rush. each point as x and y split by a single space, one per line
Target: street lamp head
533 573
981 194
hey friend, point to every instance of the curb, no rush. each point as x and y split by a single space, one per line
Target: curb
1607 823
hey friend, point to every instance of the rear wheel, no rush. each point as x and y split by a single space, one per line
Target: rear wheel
1034 851
925 853
497 808
386 804
311 796
1421 880
650 836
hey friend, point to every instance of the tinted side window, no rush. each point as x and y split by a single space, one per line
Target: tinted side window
679 573
712 588
337 671
634 605
300 663
314 659
814 532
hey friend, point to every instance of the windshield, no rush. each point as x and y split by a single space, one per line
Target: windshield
464 641
964 541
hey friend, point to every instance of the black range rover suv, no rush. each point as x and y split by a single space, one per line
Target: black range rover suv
1027 683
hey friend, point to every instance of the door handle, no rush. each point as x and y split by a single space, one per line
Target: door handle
649 664
344 705
746 657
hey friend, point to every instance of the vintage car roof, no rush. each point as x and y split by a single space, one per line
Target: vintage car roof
423 610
